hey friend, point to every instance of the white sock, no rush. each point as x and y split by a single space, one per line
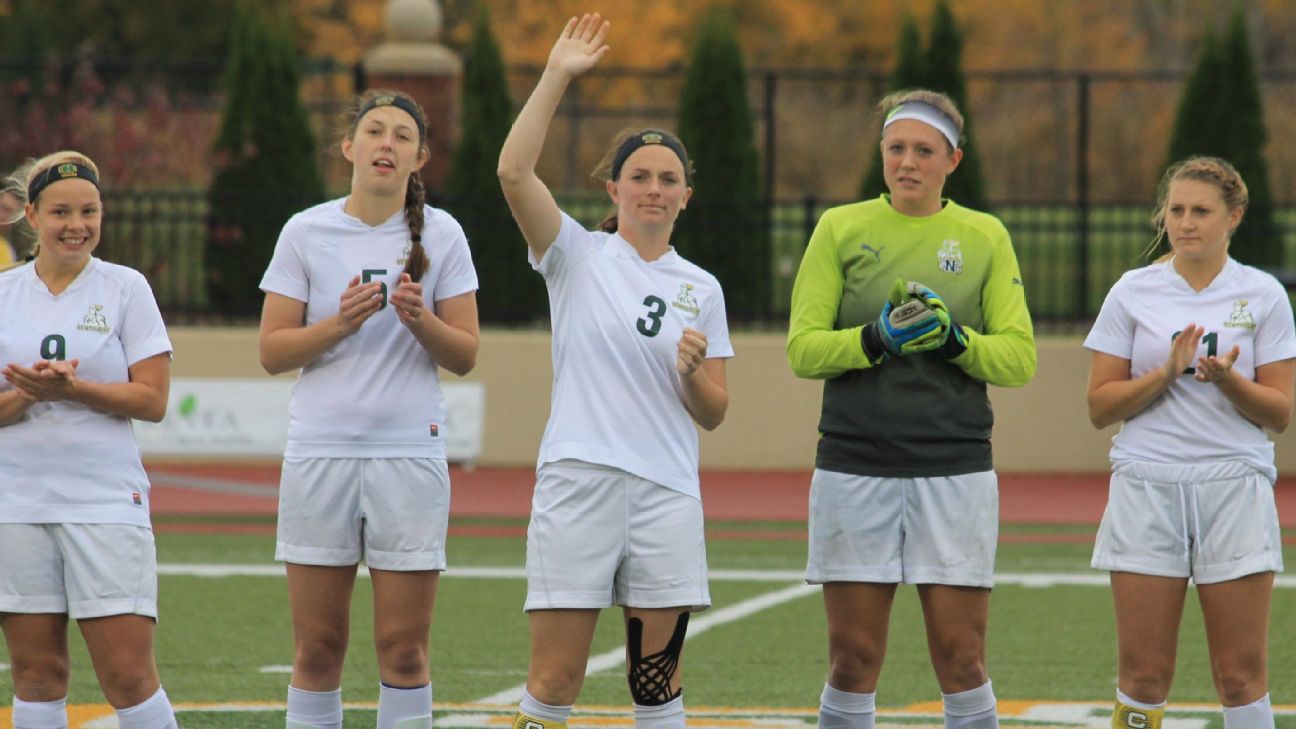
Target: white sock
974 709
314 709
535 709
1256 715
1121 697
40 714
845 710
155 712
669 715
404 708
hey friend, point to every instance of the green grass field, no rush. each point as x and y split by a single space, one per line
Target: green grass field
221 638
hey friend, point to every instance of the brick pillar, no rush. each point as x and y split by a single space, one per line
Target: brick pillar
412 60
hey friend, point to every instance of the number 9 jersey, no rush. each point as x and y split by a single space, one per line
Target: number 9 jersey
64 462
617 319
1193 422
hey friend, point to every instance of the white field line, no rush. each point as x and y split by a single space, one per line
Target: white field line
1022 579
615 658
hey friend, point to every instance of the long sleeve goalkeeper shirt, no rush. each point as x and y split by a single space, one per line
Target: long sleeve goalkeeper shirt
918 415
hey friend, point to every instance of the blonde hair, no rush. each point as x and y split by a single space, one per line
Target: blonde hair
944 104
1211 170
20 180
602 173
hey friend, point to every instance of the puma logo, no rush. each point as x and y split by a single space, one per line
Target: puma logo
877 252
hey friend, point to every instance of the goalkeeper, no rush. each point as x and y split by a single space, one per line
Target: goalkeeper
904 489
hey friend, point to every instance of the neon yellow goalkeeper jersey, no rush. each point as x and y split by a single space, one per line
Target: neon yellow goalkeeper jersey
918 415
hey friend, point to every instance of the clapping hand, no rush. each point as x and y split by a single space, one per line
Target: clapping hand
44 381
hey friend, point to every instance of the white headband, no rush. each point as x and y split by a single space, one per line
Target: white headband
927 114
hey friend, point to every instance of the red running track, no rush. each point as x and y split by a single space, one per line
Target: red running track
214 488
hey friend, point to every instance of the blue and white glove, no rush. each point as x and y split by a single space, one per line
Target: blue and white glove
953 340
906 325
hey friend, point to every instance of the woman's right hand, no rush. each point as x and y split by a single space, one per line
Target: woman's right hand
359 302
1183 350
580 46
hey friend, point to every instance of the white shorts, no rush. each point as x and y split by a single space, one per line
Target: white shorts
83 570
940 530
600 537
392 512
1213 523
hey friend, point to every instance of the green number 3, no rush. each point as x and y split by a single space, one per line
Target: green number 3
650 325
1212 346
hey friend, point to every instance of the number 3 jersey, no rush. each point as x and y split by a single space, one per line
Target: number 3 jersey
617 320
376 393
64 462
1193 422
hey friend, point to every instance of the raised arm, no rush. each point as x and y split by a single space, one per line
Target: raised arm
579 48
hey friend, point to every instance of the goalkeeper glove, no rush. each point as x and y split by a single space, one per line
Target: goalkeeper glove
953 340
905 326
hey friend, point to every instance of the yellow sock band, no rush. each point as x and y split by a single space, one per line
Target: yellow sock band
1125 716
526 721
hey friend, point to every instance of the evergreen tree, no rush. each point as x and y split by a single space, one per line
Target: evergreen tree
726 226
944 72
511 291
265 159
1221 114
909 72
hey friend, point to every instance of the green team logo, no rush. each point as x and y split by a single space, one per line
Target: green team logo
1240 318
685 301
94 320
950 258
405 254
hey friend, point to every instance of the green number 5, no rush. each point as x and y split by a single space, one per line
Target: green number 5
367 275
652 323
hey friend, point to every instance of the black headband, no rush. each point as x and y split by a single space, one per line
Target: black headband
400 102
643 139
65 171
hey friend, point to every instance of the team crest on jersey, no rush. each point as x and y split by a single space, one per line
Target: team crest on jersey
685 301
1240 318
949 257
405 254
94 320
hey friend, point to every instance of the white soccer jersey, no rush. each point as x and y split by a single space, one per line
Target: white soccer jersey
1193 422
376 394
617 319
64 462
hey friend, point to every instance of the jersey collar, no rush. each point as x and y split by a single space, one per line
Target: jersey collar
1222 278
29 271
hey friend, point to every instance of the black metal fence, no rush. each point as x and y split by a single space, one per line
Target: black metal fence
1069 257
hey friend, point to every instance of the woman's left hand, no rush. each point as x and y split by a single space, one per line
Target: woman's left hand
408 300
44 381
1215 368
690 352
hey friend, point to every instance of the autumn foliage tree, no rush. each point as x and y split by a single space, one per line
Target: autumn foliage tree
726 226
265 159
1221 114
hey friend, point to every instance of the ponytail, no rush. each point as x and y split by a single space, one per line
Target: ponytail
416 263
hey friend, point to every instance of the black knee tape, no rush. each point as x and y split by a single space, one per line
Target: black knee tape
650 676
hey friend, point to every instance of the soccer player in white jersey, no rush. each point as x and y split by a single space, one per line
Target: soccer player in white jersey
368 295
639 348
1194 355
84 351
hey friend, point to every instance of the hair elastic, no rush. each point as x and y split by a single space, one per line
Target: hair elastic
65 171
927 114
643 139
400 102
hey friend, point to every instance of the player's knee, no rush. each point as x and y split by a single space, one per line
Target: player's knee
852 657
40 678
960 661
128 684
1239 685
651 677
555 685
402 658
320 654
